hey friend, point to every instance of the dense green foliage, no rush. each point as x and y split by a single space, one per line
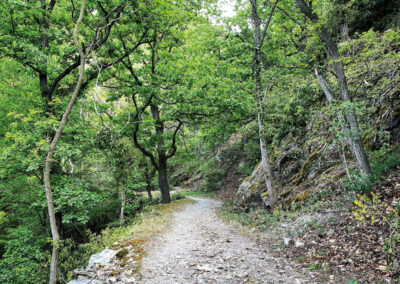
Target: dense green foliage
171 79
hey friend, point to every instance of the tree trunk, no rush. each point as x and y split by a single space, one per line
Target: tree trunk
355 136
257 65
265 162
331 98
50 153
333 53
123 201
163 182
162 157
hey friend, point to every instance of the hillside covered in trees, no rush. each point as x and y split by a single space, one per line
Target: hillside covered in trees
286 110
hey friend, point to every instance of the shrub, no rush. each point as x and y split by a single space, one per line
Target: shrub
381 163
24 260
213 179
358 182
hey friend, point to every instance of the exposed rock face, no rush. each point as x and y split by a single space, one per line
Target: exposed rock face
252 191
296 171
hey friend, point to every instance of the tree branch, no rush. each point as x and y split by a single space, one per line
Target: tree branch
136 130
63 74
173 146
268 21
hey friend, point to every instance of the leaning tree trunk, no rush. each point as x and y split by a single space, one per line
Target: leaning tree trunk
331 98
355 136
50 153
123 201
333 53
257 65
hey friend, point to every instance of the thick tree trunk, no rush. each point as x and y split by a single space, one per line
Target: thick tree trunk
257 65
123 201
162 157
163 181
333 53
50 154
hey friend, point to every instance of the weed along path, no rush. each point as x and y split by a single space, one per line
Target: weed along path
200 248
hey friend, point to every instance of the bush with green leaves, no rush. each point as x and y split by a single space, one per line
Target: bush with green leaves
382 162
214 179
25 259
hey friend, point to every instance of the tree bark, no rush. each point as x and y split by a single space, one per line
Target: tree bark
50 154
163 180
265 162
162 156
257 66
333 53
123 201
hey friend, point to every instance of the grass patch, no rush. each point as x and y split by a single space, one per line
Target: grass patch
182 194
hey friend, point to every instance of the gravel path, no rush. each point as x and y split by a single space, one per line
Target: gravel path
200 248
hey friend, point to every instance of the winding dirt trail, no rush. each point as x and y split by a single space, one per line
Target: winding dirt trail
200 248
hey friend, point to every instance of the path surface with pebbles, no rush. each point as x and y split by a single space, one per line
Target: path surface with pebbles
201 248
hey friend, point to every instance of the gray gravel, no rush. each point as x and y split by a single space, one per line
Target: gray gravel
201 248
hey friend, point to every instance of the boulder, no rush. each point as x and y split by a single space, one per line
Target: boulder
102 258
252 190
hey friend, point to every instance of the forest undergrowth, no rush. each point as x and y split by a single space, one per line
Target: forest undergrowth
348 234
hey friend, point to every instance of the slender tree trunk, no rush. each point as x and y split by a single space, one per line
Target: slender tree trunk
331 98
355 136
333 53
162 157
50 153
257 65
265 162
123 201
